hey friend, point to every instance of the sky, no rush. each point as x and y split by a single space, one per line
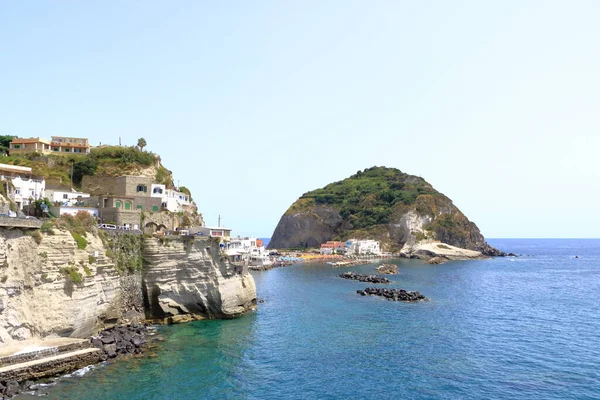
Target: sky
253 103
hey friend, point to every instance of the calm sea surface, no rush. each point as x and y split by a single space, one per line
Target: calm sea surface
506 328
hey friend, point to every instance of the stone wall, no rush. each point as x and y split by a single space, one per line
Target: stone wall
127 185
99 185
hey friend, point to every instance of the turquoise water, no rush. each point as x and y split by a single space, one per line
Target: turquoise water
505 328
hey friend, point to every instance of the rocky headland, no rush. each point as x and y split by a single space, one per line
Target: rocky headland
404 212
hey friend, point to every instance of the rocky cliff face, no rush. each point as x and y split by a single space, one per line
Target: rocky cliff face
398 209
39 299
50 287
190 277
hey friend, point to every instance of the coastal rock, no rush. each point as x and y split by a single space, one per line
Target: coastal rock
408 210
437 260
51 287
193 277
40 299
389 269
393 294
364 278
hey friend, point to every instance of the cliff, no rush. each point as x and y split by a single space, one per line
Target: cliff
402 211
190 276
54 284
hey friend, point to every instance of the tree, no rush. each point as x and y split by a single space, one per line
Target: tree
141 143
5 142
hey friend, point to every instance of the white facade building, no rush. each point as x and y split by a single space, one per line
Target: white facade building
248 249
363 247
68 210
65 198
27 188
171 200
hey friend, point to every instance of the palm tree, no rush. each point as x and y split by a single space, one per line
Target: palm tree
141 143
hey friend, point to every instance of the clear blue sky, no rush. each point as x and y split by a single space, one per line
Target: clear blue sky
251 104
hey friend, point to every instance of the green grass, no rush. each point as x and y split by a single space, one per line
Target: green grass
72 274
80 240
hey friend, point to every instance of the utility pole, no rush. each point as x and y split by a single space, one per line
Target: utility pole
219 224
72 167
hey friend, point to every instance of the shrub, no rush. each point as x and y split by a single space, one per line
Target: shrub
80 240
92 259
72 273
47 227
37 236
87 270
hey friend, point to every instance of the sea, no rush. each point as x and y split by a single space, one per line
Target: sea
524 327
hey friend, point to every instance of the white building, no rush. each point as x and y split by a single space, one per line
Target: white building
171 200
248 249
68 210
27 187
65 198
362 247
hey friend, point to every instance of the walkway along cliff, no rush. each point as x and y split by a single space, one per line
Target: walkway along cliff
69 284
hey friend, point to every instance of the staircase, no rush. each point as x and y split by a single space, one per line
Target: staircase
44 358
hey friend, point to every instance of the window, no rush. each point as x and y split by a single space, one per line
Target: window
154 208
128 205
67 150
55 149
142 188
118 204
139 207
16 146
17 191
76 150
65 196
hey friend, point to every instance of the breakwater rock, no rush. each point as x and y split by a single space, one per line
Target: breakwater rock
120 340
364 278
389 269
437 260
393 294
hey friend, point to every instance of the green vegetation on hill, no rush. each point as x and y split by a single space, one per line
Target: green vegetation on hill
368 197
105 161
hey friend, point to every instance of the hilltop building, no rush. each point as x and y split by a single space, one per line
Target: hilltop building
30 145
58 144
61 144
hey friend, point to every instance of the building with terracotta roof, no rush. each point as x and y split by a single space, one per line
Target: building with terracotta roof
29 145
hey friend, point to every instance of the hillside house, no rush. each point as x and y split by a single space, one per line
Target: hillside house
24 187
29 145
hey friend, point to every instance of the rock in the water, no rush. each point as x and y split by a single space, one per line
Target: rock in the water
364 278
389 269
394 294
437 260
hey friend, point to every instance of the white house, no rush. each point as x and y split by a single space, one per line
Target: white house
65 198
68 210
27 187
355 246
217 232
171 200
248 248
